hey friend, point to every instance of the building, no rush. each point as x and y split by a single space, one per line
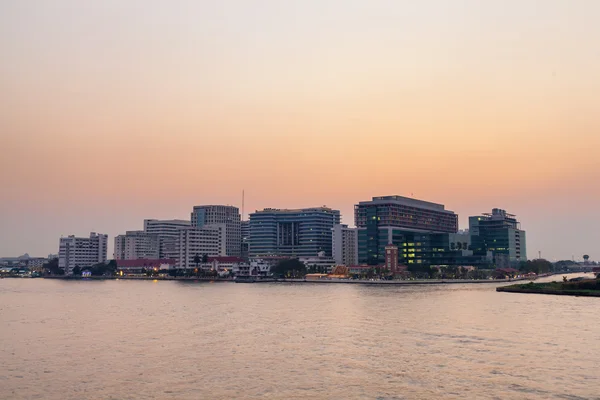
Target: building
168 234
81 252
143 265
137 244
387 219
391 258
434 249
245 229
292 233
227 215
344 245
499 233
24 261
197 242
220 264
255 268
319 263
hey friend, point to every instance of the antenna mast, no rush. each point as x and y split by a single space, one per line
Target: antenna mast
242 204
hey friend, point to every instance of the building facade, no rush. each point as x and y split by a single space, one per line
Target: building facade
143 265
391 258
426 249
168 234
292 233
344 245
192 242
134 245
319 263
229 216
500 233
81 252
245 229
384 220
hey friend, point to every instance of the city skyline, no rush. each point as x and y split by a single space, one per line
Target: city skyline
113 113
463 226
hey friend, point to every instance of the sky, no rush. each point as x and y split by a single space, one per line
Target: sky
115 111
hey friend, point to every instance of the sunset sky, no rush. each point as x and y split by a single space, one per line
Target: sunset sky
118 110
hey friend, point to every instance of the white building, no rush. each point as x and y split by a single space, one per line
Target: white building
256 267
167 231
215 214
192 242
134 245
81 252
320 263
344 245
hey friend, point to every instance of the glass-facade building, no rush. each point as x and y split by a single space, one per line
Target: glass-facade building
404 222
292 233
418 247
500 234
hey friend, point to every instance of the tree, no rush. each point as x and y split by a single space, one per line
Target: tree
204 258
76 270
539 266
197 261
52 267
292 268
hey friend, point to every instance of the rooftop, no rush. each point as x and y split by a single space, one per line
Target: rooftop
296 210
407 201
144 262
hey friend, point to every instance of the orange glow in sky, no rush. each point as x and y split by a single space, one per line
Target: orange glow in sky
113 112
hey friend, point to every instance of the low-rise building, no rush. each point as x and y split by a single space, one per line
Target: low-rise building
320 263
142 265
256 267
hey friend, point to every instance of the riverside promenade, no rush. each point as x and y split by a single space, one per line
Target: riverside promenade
400 282
302 281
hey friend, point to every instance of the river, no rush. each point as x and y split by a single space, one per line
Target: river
185 340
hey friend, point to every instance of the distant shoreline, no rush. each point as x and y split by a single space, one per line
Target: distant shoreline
280 280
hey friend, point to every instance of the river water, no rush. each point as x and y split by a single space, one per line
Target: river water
174 340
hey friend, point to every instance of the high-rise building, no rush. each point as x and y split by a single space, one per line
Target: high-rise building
388 219
292 233
193 242
499 233
228 215
168 234
344 245
135 245
245 229
81 252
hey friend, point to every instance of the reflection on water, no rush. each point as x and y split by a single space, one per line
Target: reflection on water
168 340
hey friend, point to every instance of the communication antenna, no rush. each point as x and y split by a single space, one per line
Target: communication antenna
242 204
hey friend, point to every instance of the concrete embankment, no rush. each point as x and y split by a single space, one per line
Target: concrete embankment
140 278
400 282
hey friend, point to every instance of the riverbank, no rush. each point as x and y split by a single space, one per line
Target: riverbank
296 281
140 278
401 282
588 287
